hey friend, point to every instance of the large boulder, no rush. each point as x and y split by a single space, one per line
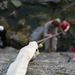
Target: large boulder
16 40
16 3
37 33
54 1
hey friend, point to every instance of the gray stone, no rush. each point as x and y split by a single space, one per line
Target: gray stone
54 1
13 14
44 4
16 38
41 17
37 33
4 5
16 3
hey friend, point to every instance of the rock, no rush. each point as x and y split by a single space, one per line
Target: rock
44 4
21 24
33 1
28 28
42 17
14 14
30 17
66 7
54 1
37 33
3 67
4 5
16 40
16 3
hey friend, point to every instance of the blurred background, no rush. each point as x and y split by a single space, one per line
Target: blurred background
24 19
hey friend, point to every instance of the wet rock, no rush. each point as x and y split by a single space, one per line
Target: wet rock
4 5
14 14
54 1
37 33
16 3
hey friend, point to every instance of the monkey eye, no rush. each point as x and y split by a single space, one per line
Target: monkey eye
36 49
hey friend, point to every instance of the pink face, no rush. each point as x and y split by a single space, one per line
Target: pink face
64 23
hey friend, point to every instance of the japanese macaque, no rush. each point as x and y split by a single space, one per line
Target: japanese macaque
27 53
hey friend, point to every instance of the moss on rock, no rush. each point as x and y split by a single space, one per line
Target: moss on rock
6 26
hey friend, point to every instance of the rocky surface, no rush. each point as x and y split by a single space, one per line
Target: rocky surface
44 64
52 64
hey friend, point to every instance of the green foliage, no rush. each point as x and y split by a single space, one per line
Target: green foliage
54 16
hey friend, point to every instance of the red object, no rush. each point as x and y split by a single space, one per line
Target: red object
64 27
73 50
